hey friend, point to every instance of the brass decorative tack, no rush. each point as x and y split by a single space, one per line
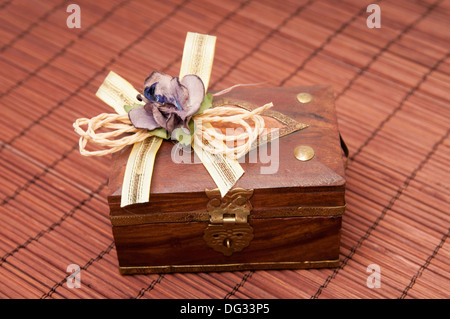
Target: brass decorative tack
304 97
303 153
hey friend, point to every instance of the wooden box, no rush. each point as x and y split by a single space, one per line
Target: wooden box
287 220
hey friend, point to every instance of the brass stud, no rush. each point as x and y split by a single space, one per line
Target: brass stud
304 97
303 153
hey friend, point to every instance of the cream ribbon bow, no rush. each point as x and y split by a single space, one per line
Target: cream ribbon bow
209 144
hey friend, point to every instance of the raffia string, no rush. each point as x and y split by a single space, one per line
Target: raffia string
118 125
218 143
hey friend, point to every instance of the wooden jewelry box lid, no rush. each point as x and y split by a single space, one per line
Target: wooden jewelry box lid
317 182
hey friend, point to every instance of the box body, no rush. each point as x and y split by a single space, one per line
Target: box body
284 220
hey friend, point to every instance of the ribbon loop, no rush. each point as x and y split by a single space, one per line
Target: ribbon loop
209 144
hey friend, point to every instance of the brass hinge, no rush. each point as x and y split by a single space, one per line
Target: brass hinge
229 231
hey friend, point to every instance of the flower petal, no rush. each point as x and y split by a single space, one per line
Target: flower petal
196 89
179 94
170 103
157 76
160 117
156 87
142 119
174 123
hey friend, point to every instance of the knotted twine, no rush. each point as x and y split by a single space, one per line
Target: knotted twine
122 132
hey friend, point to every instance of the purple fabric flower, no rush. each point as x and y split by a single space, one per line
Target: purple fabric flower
169 102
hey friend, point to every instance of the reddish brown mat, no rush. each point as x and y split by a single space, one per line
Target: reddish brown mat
392 89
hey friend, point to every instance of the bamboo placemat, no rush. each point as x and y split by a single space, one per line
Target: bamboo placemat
392 97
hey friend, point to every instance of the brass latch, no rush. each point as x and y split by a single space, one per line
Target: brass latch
229 231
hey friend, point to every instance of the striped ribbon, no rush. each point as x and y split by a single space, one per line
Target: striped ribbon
198 56
117 92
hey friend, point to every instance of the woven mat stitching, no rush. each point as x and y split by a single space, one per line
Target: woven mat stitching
362 70
400 191
261 42
424 266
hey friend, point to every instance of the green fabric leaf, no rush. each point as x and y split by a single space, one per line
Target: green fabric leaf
206 104
160 132
182 137
127 108
191 126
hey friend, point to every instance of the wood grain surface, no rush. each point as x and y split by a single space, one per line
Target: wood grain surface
391 88
151 236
